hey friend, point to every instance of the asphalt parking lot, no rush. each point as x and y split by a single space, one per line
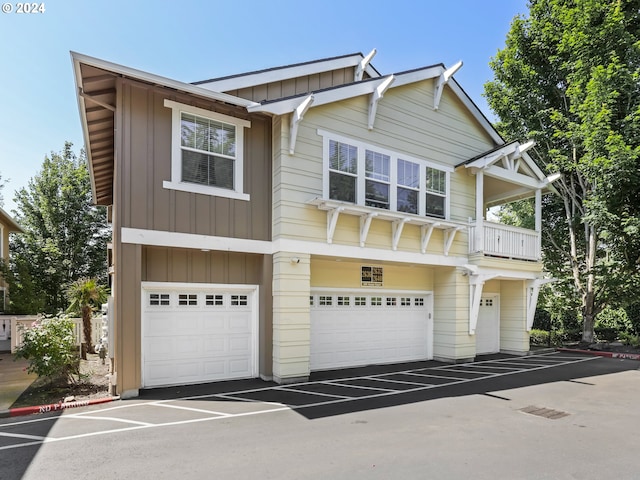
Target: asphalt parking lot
406 420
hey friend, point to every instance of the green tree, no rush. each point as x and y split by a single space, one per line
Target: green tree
85 295
65 237
569 77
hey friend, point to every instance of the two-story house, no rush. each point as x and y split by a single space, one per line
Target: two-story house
306 217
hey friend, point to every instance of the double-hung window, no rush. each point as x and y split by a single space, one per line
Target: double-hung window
343 171
408 186
377 181
206 152
436 192
372 176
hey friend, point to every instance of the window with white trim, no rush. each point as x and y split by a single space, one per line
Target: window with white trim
206 152
343 171
436 192
377 179
363 174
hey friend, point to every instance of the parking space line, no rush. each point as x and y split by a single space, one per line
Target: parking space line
379 389
496 367
109 419
394 381
441 376
190 409
308 392
231 396
22 435
458 368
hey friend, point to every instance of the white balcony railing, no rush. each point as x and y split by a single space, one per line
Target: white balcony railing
504 241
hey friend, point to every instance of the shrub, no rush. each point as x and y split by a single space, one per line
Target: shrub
612 322
541 338
49 345
630 339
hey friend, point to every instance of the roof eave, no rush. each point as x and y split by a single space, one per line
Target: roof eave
10 222
159 80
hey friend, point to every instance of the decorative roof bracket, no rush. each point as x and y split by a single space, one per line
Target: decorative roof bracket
449 235
533 289
442 81
377 94
296 118
365 223
332 221
363 65
426 231
396 231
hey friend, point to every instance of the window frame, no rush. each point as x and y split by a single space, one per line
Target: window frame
395 157
176 183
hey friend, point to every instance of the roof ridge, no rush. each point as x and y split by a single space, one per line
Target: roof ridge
281 67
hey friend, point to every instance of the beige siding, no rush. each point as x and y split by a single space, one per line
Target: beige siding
296 86
145 162
346 274
513 317
451 339
291 317
406 123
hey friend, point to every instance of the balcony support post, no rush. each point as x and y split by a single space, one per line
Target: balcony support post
479 240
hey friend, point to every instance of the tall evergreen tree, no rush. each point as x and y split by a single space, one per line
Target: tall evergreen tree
569 77
65 237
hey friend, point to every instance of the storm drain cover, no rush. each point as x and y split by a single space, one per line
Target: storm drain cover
544 412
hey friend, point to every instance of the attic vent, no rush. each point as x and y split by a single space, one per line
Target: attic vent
544 412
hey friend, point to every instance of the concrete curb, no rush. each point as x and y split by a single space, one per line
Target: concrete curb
626 356
54 407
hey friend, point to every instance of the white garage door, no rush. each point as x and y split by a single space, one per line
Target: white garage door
363 328
194 333
488 327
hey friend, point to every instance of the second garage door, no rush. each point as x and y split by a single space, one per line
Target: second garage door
194 333
363 328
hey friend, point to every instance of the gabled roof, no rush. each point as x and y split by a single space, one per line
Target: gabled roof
276 74
342 92
511 166
9 222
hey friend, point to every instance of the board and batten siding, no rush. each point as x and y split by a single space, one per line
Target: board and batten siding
144 163
405 123
296 86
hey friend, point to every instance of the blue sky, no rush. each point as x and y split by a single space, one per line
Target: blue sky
190 40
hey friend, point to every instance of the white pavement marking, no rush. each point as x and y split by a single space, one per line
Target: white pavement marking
379 389
309 392
22 435
394 381
384 393
191 409
110 419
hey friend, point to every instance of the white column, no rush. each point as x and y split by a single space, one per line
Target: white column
538 215
479 240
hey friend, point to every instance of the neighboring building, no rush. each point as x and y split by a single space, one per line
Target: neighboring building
7 225
306 217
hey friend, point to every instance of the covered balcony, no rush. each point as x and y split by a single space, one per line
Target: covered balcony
504 175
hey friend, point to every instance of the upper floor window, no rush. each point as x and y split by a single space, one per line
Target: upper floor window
206 152
366 175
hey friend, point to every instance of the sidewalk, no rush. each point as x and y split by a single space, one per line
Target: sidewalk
14 379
